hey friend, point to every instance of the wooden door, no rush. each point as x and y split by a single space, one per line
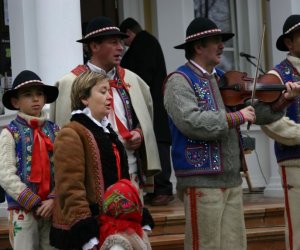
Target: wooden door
93 8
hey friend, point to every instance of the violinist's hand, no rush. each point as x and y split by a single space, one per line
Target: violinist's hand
292 90
248 114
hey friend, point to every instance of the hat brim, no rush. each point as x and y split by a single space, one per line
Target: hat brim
225 37
280 45
103 34
50 92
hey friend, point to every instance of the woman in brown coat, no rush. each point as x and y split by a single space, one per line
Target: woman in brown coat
88 158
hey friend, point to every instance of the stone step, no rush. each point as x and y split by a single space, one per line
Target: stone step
266 238
172 237
264 220
167 242
168 222
4 240
257 238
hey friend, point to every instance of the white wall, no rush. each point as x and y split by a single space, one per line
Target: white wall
278 12
132 8
170 20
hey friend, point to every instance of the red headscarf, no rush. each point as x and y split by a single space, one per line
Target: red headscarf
122 210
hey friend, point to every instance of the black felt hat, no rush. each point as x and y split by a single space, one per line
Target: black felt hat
202 27
24 79
100 27
291 24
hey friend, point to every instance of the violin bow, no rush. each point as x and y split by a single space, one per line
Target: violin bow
256 72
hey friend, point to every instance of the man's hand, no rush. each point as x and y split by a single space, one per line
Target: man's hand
292 90
134 142
248 114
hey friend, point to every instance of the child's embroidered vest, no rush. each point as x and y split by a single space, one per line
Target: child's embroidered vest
194 157
23 136
288 73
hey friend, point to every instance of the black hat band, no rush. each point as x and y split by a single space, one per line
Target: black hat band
292 28
27 82
101 30
202 33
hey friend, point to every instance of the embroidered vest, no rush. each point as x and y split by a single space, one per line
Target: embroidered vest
194 157
288 73
23 136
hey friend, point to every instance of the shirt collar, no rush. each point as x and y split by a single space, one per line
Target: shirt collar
41 119
295 61
103 123
202 69
110 74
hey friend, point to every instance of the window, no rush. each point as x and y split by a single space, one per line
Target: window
222 13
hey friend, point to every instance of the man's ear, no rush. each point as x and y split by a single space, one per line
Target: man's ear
94 46
15 102
198 48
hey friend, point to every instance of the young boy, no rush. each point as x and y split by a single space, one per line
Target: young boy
26 166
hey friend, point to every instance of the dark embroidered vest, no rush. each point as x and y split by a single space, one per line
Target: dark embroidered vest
194 157
288 73
23 136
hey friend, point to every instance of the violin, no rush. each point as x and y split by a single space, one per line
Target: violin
236 88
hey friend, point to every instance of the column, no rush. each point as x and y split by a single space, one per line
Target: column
274 187
43 37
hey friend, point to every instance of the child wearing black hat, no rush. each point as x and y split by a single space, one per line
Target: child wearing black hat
26 166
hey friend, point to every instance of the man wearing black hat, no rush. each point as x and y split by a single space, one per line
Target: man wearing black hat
144 57
286 133
131 115
206 145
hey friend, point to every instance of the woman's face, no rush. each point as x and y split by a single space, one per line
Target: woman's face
100 100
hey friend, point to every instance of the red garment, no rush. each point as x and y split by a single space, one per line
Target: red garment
40 163
122 210
124 132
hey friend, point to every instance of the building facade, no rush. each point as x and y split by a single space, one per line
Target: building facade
43 38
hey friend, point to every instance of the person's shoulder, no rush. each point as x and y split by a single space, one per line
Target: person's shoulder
72 74
131 75
5 135
79 69
53 124
148 38
147 34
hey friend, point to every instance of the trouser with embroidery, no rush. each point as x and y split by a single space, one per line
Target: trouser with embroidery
214 219
290 177
27 232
